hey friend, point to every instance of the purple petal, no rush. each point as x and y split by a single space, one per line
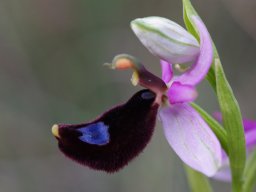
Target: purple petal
217 116
224 173
200 68
191 138
250 138
248 124
167 72
179 93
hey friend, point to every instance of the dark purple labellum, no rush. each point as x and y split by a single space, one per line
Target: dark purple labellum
111 141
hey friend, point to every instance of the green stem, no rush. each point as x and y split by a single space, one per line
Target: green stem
232 121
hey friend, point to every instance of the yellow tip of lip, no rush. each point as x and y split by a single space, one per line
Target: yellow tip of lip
135 78
55 130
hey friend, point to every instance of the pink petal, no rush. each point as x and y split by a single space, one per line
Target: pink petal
248 124
179 93
250 138
200 68
167 72
224 173
217 116
191 138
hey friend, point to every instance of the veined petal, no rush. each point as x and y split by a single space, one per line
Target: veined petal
200 68
166 39
191 138
167 72
224 173
179 93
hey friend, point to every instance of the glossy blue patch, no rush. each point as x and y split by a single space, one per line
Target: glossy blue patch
96 134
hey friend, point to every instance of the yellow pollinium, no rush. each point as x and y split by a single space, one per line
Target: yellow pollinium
55 130
135 78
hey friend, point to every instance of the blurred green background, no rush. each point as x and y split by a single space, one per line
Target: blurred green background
51 56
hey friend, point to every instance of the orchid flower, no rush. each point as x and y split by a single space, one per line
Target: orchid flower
185 130
120 134
224 173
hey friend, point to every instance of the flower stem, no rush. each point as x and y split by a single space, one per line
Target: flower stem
232 121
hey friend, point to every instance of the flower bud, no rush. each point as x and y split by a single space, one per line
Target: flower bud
166 39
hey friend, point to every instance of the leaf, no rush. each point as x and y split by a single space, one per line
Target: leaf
197 181
188 11
218 130
232 121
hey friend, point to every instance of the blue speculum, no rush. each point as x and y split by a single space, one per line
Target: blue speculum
96 134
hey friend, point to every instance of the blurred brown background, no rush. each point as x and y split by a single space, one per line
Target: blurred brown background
51 56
